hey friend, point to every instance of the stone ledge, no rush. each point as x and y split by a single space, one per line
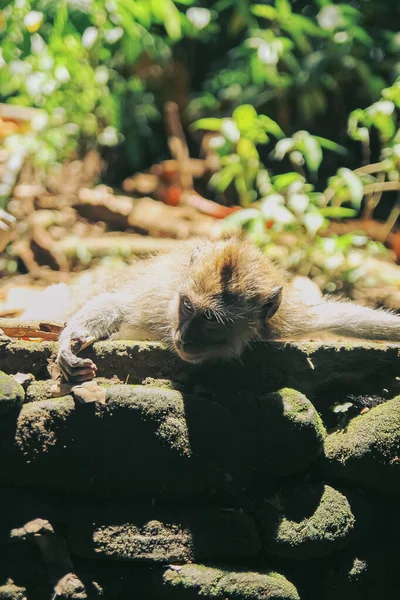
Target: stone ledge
246 463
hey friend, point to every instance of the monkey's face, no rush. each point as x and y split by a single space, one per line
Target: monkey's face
226 295
204 332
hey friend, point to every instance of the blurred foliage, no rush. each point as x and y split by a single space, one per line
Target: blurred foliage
102 69
298 95
283 213
80 60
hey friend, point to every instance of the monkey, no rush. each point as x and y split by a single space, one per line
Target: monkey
207 301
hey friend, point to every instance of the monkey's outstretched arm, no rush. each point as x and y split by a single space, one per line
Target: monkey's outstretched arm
343 318
96 320
352 320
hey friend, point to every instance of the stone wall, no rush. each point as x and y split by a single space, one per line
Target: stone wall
274 479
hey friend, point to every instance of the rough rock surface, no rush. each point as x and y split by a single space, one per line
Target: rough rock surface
145 440
292 432
306 521
194 581
11 394
167 537
368 450
281 476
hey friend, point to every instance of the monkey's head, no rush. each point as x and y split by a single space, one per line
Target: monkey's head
226 297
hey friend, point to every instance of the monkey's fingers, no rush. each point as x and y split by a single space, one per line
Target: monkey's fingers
74 368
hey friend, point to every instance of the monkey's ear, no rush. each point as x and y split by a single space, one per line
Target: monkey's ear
273 302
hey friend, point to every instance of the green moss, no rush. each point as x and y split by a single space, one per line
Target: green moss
163 405
142 439
12 394
39 390
12 592
37 424
292 432
306 521
367 451
164 535
221 583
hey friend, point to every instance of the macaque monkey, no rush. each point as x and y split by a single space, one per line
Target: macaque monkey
209 301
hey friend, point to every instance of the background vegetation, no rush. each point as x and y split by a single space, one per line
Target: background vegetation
301 99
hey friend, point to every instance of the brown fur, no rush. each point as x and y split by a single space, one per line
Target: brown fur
209 301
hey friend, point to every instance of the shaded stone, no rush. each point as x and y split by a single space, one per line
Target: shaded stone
368 450
41 390
12 592
306 521
327 369
26 357
145 440
167 536
367 572
12 394
193 581
292 432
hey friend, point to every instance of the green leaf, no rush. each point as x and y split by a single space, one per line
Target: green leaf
362 36
225 177
342 408
210 123
313 221
330 145
283 147
308 26
284 8
245 116
312 152
338 212
271 126
267 12
354 184
247 150
283 181
241 217
385 124
166 12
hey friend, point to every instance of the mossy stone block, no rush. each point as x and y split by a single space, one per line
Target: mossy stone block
12 592
363 574
167 536
306 521
367 452
11 394
143 439
292 432
192 581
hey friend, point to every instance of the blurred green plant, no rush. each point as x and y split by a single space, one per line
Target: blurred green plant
300 61
283 213
78 60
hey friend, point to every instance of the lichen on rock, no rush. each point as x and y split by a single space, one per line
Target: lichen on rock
166 536
306 521
218 583
292 432
368 450
12 394
12 592
143 439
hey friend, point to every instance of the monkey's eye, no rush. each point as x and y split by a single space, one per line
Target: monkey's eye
209 316
187 305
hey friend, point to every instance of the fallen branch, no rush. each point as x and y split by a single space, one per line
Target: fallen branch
385 186
373 168
178 146
124 244
15 328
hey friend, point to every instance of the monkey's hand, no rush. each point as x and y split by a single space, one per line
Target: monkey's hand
97 320
72 367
